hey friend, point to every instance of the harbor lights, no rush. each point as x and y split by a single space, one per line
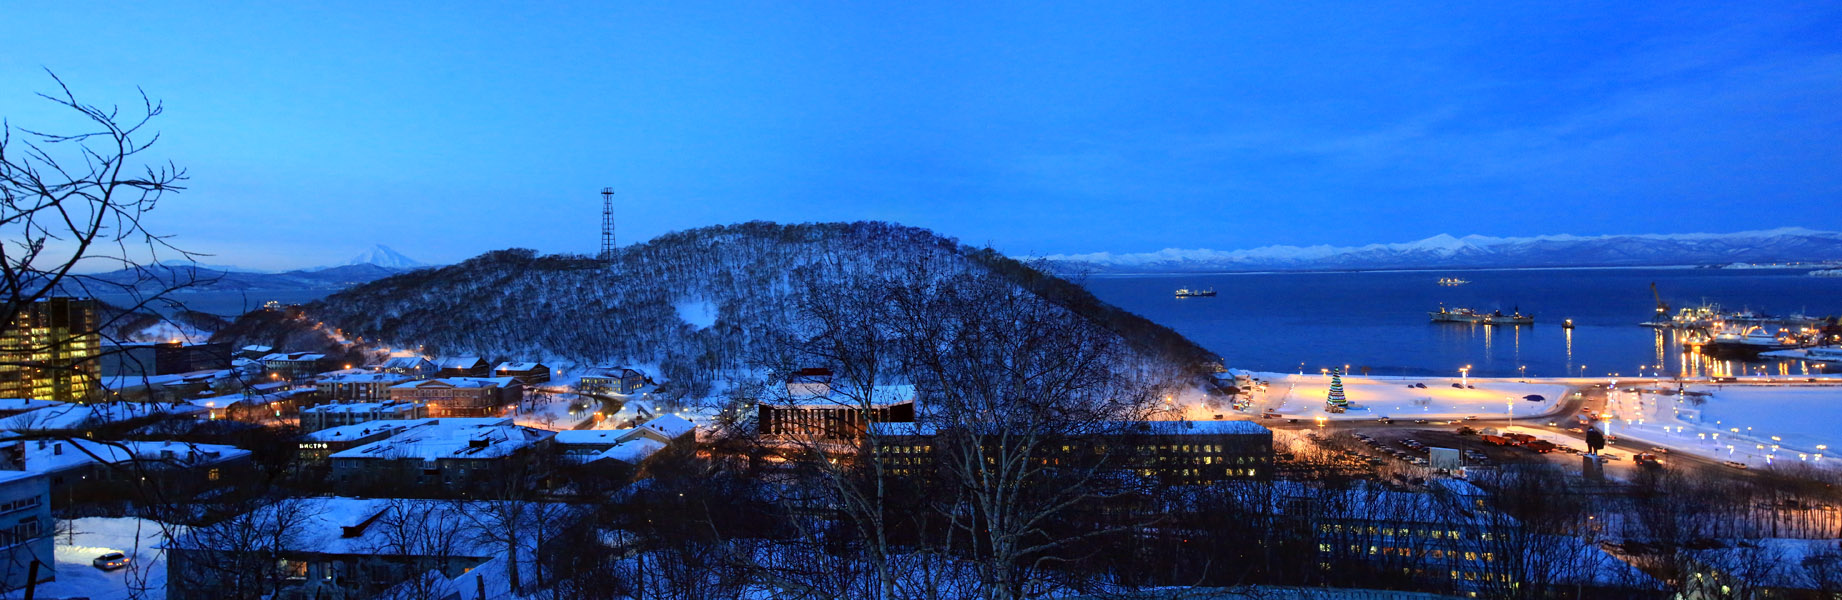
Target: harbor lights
1464 376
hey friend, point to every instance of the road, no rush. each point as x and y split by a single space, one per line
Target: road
1584 396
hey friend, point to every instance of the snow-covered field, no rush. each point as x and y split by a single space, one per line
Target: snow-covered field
555 413
1750 423
90 537
1302 396
700 313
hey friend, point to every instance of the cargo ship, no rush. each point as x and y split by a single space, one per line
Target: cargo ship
1740 341
1466 315
1450 281
1189 293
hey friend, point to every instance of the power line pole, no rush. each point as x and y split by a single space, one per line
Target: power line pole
607 223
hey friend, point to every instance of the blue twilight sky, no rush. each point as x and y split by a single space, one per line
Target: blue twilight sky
313 130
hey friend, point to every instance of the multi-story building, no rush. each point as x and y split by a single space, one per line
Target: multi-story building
289 366
51 351
337 547
80 470
461 396
528 373
461 366
327 416
359 386
1181 452
318 445
415 367
625 445
448 455
812 411
611 380
25 529
163 358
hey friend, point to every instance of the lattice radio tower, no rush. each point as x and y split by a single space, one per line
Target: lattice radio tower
607 223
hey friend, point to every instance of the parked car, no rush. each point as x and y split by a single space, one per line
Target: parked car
1458 386
110 561
1420 421
1734 463
1420 385
1470 417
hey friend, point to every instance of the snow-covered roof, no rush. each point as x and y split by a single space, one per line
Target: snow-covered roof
339 525
459 362
293 356
900 429
631 451
605 371
19 404
1236 427
458 382
254 348
51 456
670 426
363 377
405 362
128 382
519 366
452 438
1144 427
81 416
882 395
367 428
362 407
580 437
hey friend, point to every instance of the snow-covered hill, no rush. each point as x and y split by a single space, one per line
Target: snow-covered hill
1476 251
699 303
384 256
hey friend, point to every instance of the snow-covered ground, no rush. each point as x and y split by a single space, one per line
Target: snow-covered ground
700 313
1750 423
555 412
1302 396
90 537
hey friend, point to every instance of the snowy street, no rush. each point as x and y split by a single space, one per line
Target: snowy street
1302 396
90 537
1753 424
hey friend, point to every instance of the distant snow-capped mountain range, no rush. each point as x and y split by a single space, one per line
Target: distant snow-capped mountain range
1476 251
383 256
379 255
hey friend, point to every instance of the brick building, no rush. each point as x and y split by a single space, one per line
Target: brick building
461 396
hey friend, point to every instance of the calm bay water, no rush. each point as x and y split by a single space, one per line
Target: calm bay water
1307 321
226 304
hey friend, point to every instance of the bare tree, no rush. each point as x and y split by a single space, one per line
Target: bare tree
1022 400
423 537
241 557
74 203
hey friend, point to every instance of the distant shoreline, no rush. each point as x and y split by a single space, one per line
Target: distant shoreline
1417 270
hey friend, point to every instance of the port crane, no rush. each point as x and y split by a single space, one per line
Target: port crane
1662 307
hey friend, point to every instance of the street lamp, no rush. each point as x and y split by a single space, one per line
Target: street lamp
1464 376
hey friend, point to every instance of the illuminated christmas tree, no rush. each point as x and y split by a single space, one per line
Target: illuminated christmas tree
1336 398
